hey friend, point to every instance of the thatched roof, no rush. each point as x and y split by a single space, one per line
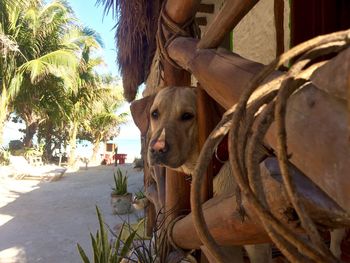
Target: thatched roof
135 39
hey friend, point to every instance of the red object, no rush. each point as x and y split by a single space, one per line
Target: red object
120 158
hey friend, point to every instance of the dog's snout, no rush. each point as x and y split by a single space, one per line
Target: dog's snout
159 146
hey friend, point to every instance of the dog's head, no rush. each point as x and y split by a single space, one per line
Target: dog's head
173 128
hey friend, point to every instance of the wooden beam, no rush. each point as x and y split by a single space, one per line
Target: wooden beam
225 224
226 19
201 21
318 136
317 115
221 73
180 11
206 8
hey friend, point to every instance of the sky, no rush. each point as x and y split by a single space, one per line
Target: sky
92 16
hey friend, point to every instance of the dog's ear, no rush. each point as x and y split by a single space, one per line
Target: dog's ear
140 112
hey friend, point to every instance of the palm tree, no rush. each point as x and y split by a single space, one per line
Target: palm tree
31 50
86 92
104 122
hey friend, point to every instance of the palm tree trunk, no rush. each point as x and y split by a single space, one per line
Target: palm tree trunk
29 134
47 148
73 144
2 124
4 101
95 149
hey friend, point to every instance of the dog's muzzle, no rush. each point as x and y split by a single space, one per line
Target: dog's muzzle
158 152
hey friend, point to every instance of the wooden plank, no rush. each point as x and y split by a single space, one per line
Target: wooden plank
206 8
225 222
278 8
226 19
201 20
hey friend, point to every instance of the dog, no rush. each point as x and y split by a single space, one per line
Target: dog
174 144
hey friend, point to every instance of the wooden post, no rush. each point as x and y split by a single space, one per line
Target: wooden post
177 188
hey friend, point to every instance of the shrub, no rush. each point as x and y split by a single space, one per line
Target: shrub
120 183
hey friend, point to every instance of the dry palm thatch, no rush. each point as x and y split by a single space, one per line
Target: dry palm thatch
135 39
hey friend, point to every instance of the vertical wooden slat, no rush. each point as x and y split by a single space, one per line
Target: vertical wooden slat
207 119
279 18
226 19
206 8
204 125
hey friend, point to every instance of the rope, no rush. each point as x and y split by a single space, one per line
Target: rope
244 157
168 30
169 230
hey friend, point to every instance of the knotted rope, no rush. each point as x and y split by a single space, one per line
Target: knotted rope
168 30
244 157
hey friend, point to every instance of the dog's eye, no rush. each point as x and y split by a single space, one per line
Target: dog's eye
187 116
155 114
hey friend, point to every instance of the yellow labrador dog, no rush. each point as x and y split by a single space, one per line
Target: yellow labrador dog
174 144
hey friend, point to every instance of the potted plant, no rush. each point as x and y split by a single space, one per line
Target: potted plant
120 198
140 201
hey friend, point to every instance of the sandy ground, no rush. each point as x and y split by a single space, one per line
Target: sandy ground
42 221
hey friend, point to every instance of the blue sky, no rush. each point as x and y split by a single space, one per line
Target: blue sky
91 15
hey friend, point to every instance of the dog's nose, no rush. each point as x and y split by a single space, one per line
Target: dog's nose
159 146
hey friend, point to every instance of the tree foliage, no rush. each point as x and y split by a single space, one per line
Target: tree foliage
49 79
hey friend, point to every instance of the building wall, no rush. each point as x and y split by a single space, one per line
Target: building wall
255 37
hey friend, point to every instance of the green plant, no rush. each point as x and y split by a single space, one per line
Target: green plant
138 163
120 183
105 250
140 195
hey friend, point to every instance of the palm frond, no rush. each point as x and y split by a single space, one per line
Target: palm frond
50 63
94 34
109 5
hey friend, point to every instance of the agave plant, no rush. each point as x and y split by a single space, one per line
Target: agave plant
140 194
106 250
120 183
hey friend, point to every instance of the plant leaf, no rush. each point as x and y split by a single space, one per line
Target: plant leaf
82 254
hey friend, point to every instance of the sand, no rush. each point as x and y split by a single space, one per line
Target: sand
43 221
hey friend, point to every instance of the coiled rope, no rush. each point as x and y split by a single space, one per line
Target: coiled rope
243 156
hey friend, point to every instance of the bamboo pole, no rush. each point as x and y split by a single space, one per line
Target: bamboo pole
177 189
222 74
226 19
224 221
